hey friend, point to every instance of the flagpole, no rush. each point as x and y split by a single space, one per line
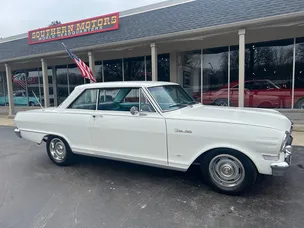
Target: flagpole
64 45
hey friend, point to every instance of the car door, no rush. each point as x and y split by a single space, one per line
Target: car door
18 98
138 136
75 121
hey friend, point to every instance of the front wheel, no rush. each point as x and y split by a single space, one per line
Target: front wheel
300 103
221 102
31 103
229 172
59 151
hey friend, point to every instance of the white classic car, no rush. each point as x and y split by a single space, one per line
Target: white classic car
160 124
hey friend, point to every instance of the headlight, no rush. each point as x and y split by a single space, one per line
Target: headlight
285 140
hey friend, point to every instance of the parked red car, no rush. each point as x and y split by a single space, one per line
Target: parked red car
258 93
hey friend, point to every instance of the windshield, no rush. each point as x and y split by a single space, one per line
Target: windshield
171 97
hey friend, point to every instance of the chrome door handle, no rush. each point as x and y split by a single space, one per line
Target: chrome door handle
94 116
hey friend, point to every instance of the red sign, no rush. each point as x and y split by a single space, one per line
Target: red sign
78 28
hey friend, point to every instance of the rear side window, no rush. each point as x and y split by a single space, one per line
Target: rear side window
87 100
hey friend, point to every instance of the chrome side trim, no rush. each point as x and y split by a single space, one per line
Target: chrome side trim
18 133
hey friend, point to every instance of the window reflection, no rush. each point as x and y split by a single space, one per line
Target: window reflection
62 83
34 81
191 74
215 77
299 75
269 63
20 88
75 77
163 67
134 69
148 68
98 71
3 90
113 70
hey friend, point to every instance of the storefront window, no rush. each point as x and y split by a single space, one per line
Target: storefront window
3 89
62 83
268 76
134 69
215 76
98 71
75 77
34 86
299 75
234 76
20 88
148 68
191 74
113 70
164 67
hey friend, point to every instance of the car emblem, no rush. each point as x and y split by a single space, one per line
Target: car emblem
183 131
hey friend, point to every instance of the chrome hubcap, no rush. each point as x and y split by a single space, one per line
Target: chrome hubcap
226 171
221 103
302 105
57 149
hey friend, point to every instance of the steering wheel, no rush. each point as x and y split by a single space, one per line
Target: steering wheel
146 108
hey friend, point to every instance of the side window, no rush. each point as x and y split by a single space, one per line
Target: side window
123 99
18 94
87 100
107 95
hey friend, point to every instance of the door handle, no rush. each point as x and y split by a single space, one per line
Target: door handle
95 115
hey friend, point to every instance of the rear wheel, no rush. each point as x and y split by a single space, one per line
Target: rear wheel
59 151
228 171
31 103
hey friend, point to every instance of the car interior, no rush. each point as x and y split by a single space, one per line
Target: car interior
121 100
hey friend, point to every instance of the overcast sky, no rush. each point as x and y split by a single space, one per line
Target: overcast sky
19 16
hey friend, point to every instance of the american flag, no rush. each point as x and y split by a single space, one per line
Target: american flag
84 69
19 78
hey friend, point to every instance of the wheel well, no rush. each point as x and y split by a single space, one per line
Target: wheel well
45 138
264 104
201 157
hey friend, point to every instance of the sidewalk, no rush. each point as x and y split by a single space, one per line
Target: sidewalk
4 121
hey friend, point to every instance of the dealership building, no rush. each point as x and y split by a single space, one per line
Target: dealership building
246 53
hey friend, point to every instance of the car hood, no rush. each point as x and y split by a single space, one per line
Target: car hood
246 116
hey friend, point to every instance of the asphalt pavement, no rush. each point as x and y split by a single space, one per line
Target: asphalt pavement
34 193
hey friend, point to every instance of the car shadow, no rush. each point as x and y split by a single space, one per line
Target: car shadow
191 179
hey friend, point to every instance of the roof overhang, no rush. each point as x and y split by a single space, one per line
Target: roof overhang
279 20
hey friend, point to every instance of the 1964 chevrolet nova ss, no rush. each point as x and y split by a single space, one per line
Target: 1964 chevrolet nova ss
160 124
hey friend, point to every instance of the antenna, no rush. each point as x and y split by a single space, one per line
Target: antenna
38 101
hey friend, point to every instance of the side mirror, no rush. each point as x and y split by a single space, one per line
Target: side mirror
134 110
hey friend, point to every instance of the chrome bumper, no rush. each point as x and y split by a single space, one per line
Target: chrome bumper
18 133
279 168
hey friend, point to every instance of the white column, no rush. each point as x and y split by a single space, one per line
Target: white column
45 78
92 62
241 66
154 62
55 86
11 107
293 73
173 67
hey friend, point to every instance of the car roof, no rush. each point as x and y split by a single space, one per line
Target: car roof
120 84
